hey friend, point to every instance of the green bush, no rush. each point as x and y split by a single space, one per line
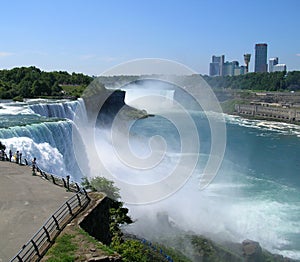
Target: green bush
101 184
132 251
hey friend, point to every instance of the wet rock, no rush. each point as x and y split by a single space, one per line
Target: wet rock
252 251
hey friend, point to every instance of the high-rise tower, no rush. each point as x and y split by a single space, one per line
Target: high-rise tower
272 62
261 58
247 61
216 66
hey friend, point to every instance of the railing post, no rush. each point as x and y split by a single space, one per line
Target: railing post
53 179
70 209
84 191
64 181
79 201
45 175
47 234
56 222
36 248
68 183
78 188
86 194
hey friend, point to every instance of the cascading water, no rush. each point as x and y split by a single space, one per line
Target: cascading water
59 109
44 131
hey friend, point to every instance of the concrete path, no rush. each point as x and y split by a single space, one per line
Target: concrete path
26 202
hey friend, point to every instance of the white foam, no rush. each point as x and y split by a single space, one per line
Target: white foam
48 158
13 109
293 254
280 127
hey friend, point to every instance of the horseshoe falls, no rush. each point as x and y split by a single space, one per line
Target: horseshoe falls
255 195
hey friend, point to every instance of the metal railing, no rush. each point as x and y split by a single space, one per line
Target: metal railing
38 245
60 181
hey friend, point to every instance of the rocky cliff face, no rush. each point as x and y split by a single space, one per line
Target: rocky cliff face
103 104
96 220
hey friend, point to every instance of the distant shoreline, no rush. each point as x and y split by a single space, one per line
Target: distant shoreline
263 118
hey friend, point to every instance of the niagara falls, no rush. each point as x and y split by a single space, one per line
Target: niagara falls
255 194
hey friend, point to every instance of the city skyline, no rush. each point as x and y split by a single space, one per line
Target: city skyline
262 64
92 36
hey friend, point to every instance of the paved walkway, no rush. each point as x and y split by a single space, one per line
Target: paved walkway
26 202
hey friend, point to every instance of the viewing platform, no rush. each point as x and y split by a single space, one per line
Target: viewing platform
26 202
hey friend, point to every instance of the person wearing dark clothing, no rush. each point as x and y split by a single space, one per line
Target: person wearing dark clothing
2 155
10 155
17 157
33 165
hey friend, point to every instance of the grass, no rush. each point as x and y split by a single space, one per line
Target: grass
98 244
74 245
73 90
63 250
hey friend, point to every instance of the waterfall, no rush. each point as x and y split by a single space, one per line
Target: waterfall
50 142
57 109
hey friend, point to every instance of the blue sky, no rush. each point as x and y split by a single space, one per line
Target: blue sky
91 36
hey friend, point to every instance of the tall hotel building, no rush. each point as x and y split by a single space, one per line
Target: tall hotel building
261 58
216 65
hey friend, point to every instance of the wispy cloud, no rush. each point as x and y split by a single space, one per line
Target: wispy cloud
109 59
87 57
99 58
3 54
297 54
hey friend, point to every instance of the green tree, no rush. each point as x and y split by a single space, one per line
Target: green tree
101 184
56 89
41 88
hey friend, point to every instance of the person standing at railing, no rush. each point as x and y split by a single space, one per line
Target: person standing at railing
2 154
17 157
33 166
2 148
10 155
20 161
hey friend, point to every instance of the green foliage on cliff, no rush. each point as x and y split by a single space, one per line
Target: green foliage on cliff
101 184
131 251
31 82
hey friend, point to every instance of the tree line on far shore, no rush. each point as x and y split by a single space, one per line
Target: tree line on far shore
31 82
276 81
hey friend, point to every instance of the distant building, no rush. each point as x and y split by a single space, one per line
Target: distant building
280 68
241 70
261 58
275 67
272 62
228 69
247 61
233 69
216 66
